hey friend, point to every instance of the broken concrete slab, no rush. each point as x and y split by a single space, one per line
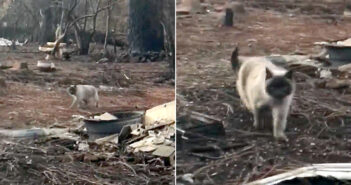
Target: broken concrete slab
167 153
112 139
161 113
345 68
164 151
145 145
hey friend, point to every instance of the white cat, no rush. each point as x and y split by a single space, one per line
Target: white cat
83 95
264 86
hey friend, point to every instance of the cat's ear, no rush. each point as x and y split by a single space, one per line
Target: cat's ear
288 74
269 74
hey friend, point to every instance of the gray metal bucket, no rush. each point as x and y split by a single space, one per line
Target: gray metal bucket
339 54
100 128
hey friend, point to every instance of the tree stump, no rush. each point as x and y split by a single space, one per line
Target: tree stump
3 86
2 83
228 17
23 65
19 66
234 12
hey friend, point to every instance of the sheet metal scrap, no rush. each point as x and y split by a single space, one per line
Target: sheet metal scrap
335 170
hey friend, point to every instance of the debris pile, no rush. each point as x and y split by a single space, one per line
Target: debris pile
157 134
5 42
64 50
70 155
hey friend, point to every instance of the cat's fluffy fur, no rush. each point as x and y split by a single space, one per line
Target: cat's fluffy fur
264 86
83 95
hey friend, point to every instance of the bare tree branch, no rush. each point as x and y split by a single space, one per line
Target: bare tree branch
74 23
86 16
107 26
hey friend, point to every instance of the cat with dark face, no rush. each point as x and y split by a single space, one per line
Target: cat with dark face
264 86
83 95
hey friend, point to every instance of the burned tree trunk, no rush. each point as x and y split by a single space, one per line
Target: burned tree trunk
85 39
45 27
145 29
168 20
48 24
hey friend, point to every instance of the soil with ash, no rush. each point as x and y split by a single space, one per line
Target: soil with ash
33 98
319 123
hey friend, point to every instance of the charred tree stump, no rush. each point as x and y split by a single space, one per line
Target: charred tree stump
145 29
229 17
85 40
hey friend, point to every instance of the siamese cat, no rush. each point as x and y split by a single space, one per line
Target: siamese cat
83 95
264 86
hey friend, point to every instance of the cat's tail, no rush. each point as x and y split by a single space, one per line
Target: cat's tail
235 59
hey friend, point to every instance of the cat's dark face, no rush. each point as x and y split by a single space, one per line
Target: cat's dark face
279 86
72 89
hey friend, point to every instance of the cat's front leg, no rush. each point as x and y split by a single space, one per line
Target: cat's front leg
279 122
257 118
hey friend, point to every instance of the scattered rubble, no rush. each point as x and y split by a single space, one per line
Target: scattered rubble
63 52
62 155
5 42
157 134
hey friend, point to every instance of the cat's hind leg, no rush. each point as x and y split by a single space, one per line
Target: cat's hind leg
260 114
257 118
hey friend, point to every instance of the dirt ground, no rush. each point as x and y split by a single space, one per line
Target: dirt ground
39 99
319 124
